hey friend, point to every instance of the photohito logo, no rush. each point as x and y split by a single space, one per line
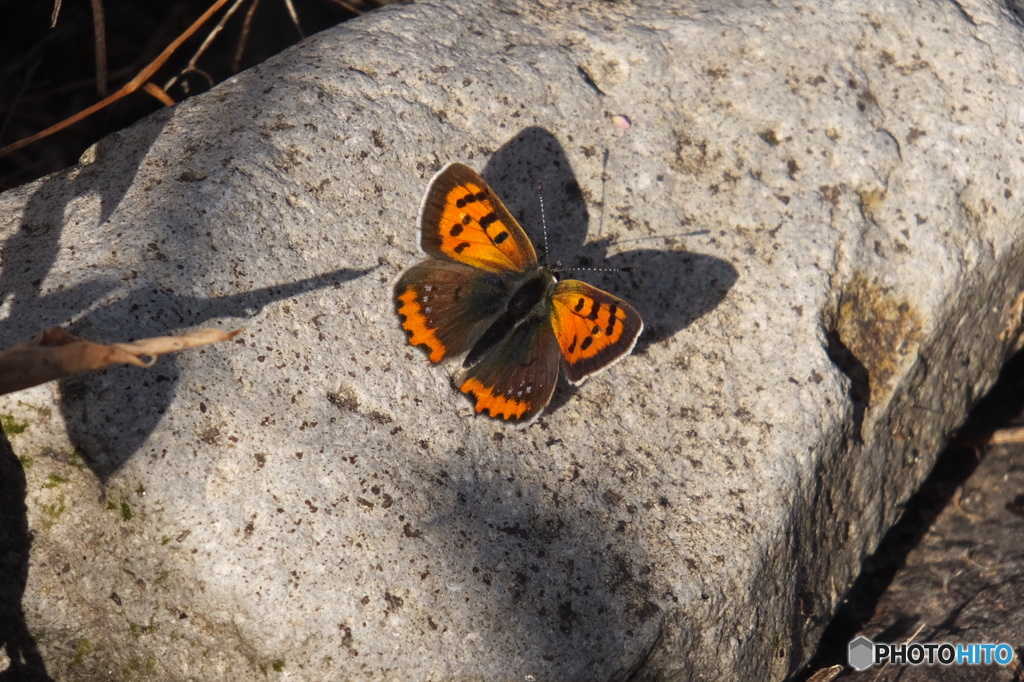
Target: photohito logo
863 653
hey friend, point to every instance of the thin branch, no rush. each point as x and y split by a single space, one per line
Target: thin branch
99 32
295 18
351 8
127 89
1014 434
55 354
243 39
206 43
161 96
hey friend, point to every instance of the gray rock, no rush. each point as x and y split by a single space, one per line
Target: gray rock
821 207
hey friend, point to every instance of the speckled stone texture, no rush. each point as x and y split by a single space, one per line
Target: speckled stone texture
821 207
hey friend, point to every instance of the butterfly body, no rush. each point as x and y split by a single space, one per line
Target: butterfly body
482 293
529 301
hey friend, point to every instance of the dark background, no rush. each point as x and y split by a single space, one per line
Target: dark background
48 74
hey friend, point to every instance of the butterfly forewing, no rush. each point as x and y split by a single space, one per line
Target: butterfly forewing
593 328
463 219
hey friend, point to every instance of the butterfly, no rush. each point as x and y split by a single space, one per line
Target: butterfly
482 293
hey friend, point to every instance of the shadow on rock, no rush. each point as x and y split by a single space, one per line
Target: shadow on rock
563 579
670 289
26 664
28 254
110 414
26 257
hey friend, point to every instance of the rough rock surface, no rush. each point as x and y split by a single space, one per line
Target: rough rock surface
821 204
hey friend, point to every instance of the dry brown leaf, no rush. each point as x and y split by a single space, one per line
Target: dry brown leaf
55 354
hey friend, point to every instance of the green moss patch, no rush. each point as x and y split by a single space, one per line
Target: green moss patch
53 511
55 481
11 426
124 507
82 649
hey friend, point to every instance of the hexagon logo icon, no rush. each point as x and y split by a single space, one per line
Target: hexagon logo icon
861 654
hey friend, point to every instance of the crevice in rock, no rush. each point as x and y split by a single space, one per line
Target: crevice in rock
589 80
860 380
1016 8
964 13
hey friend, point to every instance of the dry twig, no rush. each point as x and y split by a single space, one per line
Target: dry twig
55 354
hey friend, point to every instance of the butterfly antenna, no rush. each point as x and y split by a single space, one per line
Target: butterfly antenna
627 268
543 219
557 267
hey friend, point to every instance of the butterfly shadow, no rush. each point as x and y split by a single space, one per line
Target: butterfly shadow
669 288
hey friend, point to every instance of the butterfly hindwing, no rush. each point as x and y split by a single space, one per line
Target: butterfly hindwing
594 329
445 307
462 219
514 380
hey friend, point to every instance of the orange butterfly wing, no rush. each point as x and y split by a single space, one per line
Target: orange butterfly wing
462 219
594 329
